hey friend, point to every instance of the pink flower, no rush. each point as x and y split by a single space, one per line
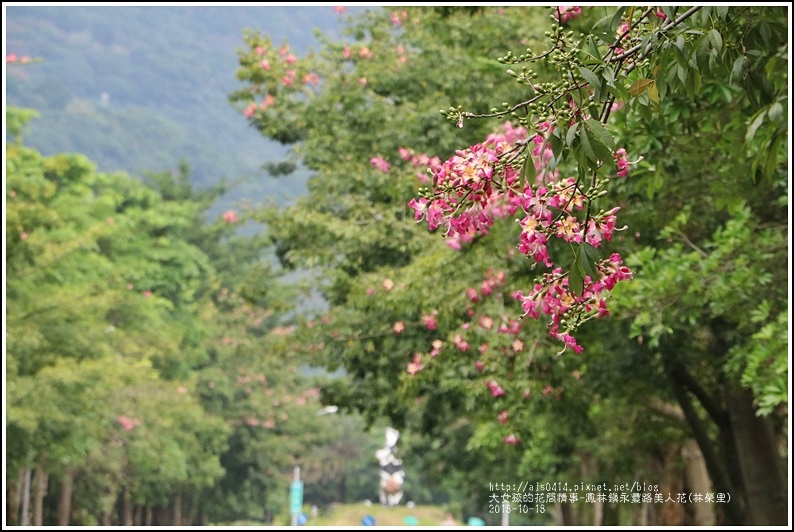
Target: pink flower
388 284
416 365
430 321
362 82
512 439
380 163
346 52
147 294
128 423
503 417
460 343
290 59
566 13
471 293
250 110
496 390
230 217
24 235
365 53
398 327
11 58
267 102
479 365
623 162
265 64
660 14
340 9
259 50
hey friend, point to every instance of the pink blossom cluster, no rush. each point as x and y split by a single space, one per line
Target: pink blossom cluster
415 365
397 18
128 423
494 388
12 58
380 163
554 297
483 183
566 13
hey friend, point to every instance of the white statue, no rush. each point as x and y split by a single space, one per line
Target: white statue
392 474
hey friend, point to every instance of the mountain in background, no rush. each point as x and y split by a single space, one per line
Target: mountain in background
139 88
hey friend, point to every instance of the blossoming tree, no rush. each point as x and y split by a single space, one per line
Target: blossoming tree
549 203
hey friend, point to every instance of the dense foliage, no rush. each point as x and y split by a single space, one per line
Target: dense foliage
149 375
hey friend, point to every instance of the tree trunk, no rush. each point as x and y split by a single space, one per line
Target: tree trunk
65 501
721 478
126 507
670 482
598 513
565 515
177 509
24 519
610 514
698 481
765 488
13 501
40 491
342 489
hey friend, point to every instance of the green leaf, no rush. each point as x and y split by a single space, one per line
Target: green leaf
771 158
589 259
586 146
528 171
775 111
591 252
571 135
591 78
601 133
756 123
609 75
716 39
602 153
615 24
576 276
